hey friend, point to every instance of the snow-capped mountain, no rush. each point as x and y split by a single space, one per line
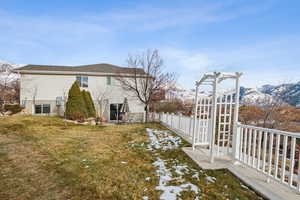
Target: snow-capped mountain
247 95
6 74
253 96
290 93
12 65
177 91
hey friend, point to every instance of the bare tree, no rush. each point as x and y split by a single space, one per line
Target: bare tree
267 111
9 82
65 98
15 85
274 108
147 77
34 92
101 97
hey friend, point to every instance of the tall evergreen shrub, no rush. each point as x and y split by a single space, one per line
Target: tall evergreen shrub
89 103
92 105
75 106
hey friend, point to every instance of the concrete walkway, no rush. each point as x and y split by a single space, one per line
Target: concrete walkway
252 178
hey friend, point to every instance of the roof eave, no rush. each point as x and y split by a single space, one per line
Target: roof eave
75 73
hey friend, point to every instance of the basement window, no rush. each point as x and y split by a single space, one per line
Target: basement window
42 109
82 81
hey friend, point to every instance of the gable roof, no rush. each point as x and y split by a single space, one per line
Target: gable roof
95 68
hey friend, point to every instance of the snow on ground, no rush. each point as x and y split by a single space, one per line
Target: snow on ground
163 140
210 179
165 176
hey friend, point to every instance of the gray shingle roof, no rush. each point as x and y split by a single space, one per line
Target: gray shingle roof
96 68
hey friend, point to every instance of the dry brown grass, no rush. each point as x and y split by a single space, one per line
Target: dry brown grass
40 158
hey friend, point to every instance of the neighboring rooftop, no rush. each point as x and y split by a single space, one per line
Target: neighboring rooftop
95 68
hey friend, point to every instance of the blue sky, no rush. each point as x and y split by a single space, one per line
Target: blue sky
258 37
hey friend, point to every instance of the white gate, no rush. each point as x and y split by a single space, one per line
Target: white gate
223 141
215 115
203 121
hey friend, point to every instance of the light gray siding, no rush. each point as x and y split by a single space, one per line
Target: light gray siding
45 88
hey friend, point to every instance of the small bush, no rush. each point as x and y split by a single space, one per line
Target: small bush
13 108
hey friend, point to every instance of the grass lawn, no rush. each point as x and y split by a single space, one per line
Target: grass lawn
40 158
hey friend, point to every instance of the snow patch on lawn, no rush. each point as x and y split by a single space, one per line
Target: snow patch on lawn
165 176
210 179
163 140
181 169
196 175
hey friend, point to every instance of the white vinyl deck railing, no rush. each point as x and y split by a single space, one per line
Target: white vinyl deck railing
272 152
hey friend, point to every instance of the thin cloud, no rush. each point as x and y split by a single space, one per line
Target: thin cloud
142 17
151 18
268 62
188 60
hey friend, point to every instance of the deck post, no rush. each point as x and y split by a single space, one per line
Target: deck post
168 119
236 131
236 141
195 116
213 117
179 121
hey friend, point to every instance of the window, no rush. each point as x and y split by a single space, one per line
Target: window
38 109
46 108
108 80
82 81
42 109
115 111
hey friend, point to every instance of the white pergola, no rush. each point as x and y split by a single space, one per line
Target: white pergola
214 79
243 149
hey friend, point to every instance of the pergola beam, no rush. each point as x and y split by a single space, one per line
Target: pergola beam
208 77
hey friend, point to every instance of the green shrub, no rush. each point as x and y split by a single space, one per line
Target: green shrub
92 105
13 108
75 106
89 103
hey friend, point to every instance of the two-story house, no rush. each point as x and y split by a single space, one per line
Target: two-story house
44 89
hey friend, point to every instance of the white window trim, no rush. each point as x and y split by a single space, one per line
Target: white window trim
81 81
42 109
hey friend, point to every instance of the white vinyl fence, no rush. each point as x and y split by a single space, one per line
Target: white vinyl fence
182 125
273 153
